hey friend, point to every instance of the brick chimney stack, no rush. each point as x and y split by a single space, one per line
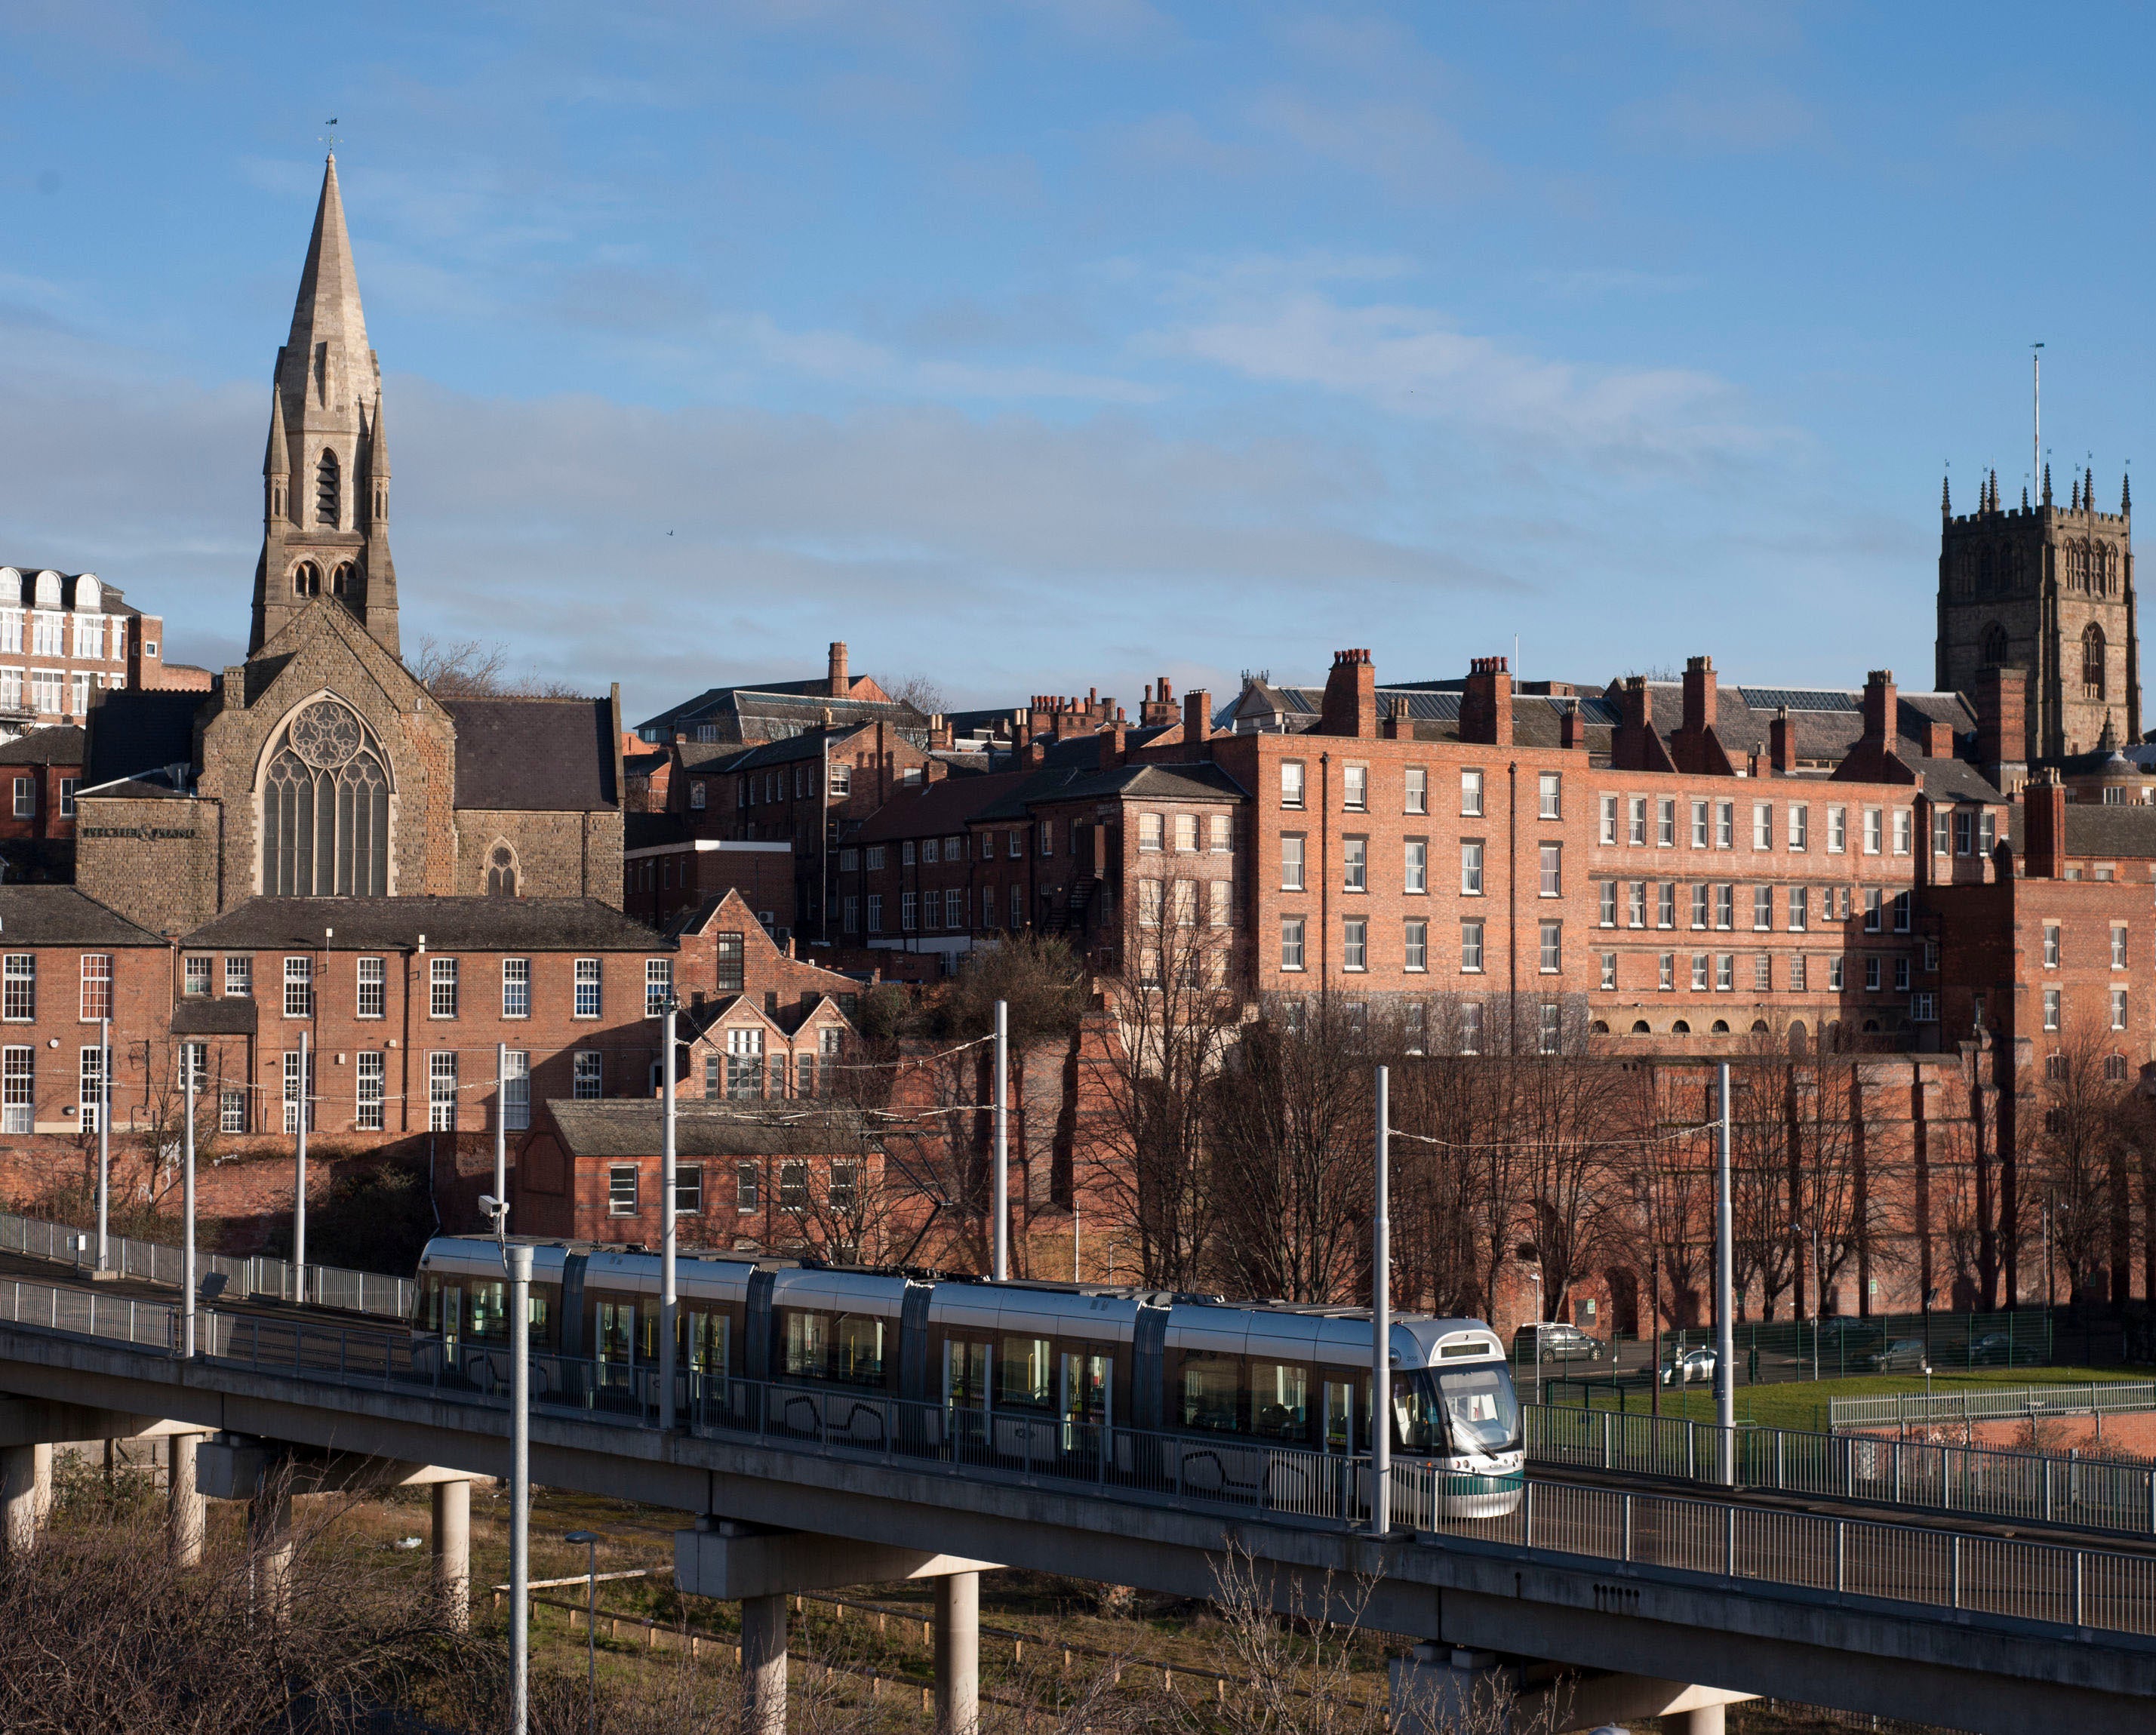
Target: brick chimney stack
2044 827
1196 717
1700 691
1351 697
2002 739
837 685
1781 747
1571 727
1486 705
1395 725
1881 705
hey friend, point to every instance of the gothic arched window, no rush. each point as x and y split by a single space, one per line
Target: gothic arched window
501 871
2092 662
307 579
329 494
1994 653
344 581
326 808
1988 573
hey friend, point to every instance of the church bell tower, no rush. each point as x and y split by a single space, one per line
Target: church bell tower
2047 590
326 476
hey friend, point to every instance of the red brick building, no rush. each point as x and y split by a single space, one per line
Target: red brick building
67 962
65 636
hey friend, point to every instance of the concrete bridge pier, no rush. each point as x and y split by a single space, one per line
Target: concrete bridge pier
1439 1687
270 1548
186 1509
763 1664
26 1494
450 1544
760 1566
957 1654
1702 1720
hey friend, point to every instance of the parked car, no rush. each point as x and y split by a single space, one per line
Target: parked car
1691 1365
1994 1349
1904 1355
1844 1338
1560 1342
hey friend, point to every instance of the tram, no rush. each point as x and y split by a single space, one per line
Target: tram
1247 1399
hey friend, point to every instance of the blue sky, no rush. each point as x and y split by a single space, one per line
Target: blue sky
1042 347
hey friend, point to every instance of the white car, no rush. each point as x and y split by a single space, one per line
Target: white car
1692 1364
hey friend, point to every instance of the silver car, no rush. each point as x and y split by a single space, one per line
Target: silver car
1692 1364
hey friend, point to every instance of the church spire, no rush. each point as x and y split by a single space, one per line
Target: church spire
2047 485
2126 496
331 539
1946 496
277 460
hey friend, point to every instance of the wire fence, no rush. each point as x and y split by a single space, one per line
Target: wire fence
1975 1481
276 1279
1990 1403
2092 1589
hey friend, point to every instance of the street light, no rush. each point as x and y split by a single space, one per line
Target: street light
591 1539
1535 1277
516 1263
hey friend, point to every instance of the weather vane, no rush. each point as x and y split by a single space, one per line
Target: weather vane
330 138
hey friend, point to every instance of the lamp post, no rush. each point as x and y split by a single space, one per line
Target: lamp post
1381 1320
591 1539
104 1141
1535 1277
1002 1244
187 1210
300 1182
516 1262
668 1228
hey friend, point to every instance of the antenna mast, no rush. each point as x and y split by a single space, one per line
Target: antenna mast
2035 419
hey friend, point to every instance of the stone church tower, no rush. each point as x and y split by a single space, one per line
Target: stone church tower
326 476
2048 591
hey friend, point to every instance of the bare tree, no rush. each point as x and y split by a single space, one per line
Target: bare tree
1175 1015
468 668
1293 1140
2081 1150
923 692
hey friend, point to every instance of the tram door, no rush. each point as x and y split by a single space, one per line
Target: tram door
966 1401
1083 1396
449 1299
616 1342
1340 1417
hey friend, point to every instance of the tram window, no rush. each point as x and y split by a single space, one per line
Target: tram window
1086 1387
534 1308
1280 1402
445 1308
807 1342
1211 1388
1480 1407
1415 1421
708 1342
490 1312
857 1350
1343 1432
617 1330
1027 1373
965 1374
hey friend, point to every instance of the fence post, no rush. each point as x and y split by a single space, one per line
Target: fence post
1628 1530
1729 1540
1841 1556
1781 1440
1528 1517
1607 1461
2047 1491
1953 1571
2081 1611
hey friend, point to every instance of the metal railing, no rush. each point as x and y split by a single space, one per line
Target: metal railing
2052 1583
2094 1494
258 1275
1989 1403
2089 1589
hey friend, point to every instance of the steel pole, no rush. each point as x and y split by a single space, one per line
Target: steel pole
187 1210
592 1637
667 1226
1002 1266
103 1142
300 1190
501 1120
1381 1320
519 1260
1725 1326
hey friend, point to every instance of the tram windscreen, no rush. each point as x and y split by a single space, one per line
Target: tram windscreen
1479 1408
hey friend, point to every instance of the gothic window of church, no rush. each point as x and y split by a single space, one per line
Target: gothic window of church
328 493
1987 574
326 808
2092 662
344 581
501 871
307 579
1994 653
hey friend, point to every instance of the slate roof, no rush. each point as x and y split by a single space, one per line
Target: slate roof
110 600
1204 781
1955 780
1824 722
62 745
2095 829
199 1015
61 915
449 924
534 755
133 730
629 1126
947 805
776 710
652 831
